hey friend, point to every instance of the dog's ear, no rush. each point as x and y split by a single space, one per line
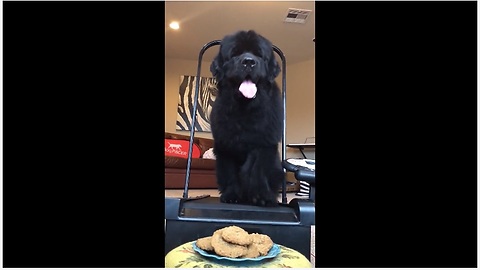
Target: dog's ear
216 67
273 68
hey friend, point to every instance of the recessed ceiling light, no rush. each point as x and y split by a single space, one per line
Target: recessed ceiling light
174 25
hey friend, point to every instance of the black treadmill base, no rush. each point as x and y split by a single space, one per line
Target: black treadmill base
212 208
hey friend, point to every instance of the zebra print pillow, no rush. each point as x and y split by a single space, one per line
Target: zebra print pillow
179 148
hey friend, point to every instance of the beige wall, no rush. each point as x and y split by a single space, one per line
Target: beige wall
174 68
300 98
300 105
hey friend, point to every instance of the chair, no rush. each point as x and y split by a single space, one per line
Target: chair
302 172
187 218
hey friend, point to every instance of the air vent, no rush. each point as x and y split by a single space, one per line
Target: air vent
295 15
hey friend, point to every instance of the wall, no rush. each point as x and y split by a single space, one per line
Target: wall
174 68
300 99
300 105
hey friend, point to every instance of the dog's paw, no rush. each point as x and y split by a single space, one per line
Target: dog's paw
229 198
268 202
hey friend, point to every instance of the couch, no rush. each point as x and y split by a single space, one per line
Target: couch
202 173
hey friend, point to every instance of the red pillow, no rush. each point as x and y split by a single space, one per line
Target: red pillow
179 148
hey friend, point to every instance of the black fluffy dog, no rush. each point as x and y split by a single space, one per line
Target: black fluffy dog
246 120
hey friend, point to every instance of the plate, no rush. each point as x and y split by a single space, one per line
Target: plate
274 251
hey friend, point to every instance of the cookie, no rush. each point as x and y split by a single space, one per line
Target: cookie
205 243
236 235
226 249
252 252
262 242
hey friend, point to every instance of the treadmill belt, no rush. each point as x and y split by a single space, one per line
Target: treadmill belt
211 208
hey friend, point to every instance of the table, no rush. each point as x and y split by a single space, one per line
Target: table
301 147
184 256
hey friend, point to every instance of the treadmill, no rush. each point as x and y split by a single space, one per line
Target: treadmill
288 224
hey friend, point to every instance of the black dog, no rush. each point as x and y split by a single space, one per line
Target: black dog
246 120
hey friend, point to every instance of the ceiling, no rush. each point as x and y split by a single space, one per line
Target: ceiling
202 22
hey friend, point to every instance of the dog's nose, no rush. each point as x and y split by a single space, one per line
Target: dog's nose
248 62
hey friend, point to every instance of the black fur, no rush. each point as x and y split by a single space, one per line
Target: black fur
246 131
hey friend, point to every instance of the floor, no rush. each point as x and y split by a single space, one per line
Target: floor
214 192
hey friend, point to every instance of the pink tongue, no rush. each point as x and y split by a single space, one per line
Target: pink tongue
248 89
